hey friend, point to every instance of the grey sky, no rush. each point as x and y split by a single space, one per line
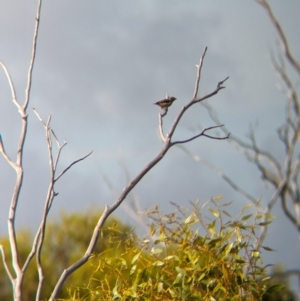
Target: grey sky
100 67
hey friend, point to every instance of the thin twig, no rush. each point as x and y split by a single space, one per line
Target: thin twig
192 102
160 125
6 157
202 134
33 53
10 276
12 87
199 68
74 162
281 35
49 199
243 146
220 173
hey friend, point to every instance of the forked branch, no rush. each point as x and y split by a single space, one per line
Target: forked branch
18 167
166 146
51 194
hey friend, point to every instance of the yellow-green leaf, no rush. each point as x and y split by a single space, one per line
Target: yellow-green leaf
214 212
134 259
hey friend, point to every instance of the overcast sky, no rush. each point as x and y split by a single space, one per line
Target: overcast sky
101 65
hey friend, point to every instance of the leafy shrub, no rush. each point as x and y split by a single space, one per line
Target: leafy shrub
185 257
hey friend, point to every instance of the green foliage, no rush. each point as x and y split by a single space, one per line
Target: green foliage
277 287
185 258
65 242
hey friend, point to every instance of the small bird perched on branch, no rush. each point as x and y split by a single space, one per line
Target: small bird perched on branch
165 103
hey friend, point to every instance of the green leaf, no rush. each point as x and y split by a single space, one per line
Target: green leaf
179 270
172 293
132 270
265 223
158 263
218 198
244 218
228 249
135 258
214 212
156 251
171 257
160 287
115 293
213 242
275 288
270 216
226 213
201 276
123 262
255 253
191 220
267 248
246 207
178 278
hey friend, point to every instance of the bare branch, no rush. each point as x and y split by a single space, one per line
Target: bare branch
33 251
33 53
283 75
219 87
199 68
267 174
268 210
133 206
12 87
39 117
226 178
160 125
6 157
252 153
257 156
48 202
202 134
18 166
286 273
288 213
192 102
49 141
282 175
39 237
10 276
74 162
281 35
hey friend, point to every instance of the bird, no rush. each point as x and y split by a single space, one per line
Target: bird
165 103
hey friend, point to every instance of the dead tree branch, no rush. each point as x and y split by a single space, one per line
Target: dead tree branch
203 134
16 274
18 165
51 194
283 175
281 34
166 146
